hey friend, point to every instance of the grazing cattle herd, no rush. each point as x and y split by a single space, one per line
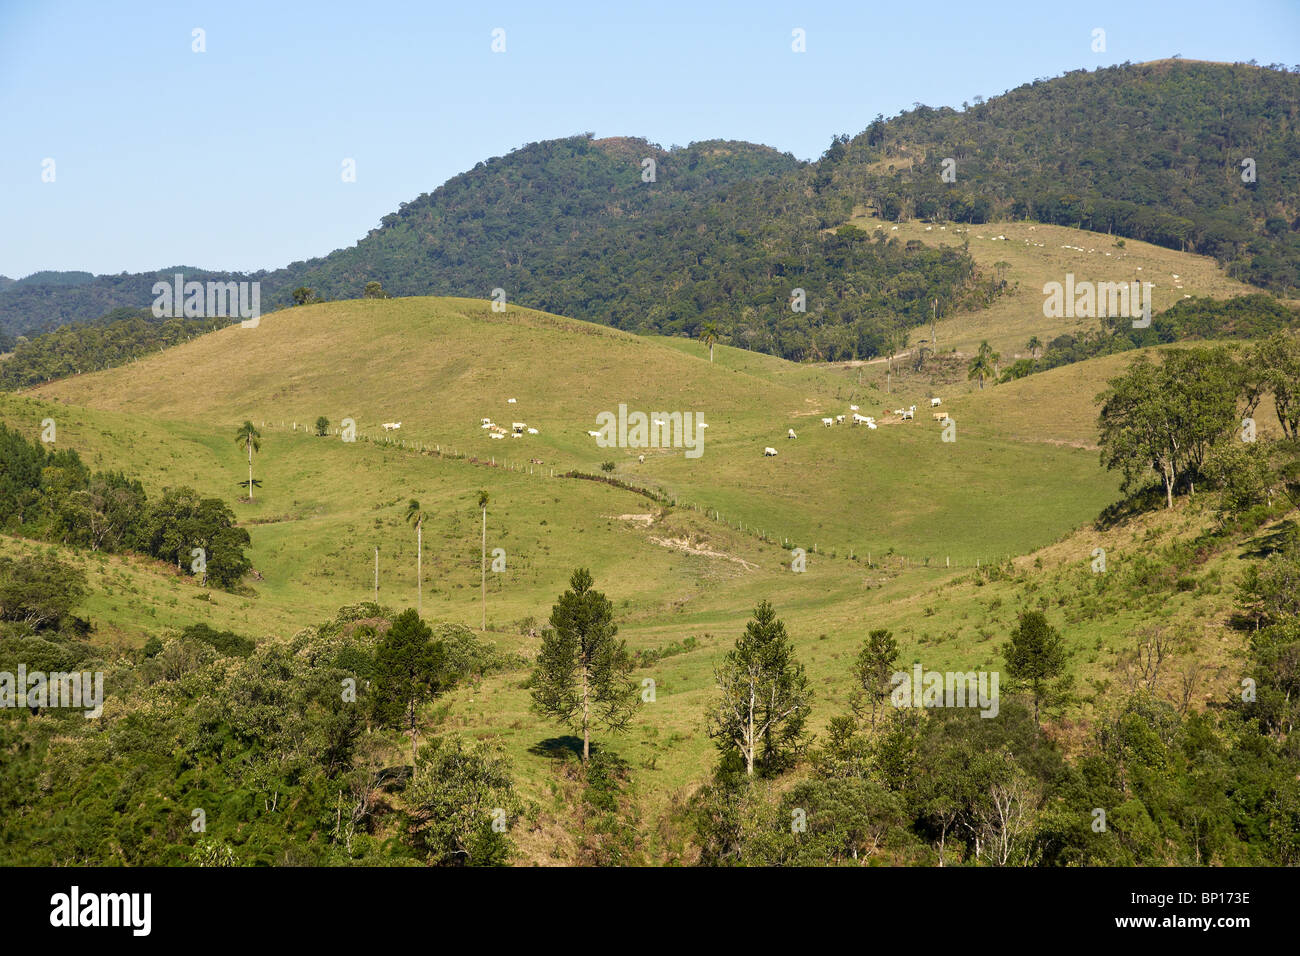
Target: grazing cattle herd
520 429
903 414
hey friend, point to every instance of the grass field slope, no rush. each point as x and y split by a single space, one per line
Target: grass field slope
439 366
1027 255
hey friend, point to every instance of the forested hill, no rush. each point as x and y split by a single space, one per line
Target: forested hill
724 233
1152 151
727 230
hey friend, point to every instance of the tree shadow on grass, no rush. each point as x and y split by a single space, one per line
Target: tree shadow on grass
1273 540
1139 502
561 747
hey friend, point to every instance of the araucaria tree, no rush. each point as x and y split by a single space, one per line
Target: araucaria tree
582 676
765 697
410 668
1035 655
872 672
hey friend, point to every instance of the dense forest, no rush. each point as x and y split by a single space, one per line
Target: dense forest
1152 151
53 496
724 232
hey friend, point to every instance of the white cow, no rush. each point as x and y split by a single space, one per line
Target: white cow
828 422
641 459
853 408
769 452
532 431
518 426
860 419
936 402
839 419
496 435
791 434
510 401
594 434
392 426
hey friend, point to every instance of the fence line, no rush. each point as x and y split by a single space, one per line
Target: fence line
888 558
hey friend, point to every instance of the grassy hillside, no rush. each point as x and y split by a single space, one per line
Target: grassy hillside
440 366
1034 254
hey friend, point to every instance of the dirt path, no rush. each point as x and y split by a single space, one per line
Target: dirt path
683 545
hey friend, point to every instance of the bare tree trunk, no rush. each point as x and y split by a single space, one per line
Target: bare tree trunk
412 735
749 735
419 567
586 736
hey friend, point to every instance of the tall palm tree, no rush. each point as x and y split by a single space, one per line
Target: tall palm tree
1034 345
981 366
251 439
415 516
709 336
483 503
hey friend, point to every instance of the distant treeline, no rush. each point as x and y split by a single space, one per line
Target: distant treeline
52 496
115 339
1254 316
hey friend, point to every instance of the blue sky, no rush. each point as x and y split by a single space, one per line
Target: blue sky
231 158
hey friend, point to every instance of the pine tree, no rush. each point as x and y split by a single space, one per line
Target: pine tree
1035 655
872 672
582 671
765 697
410 668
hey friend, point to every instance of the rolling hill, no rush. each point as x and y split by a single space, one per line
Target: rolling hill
440 366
